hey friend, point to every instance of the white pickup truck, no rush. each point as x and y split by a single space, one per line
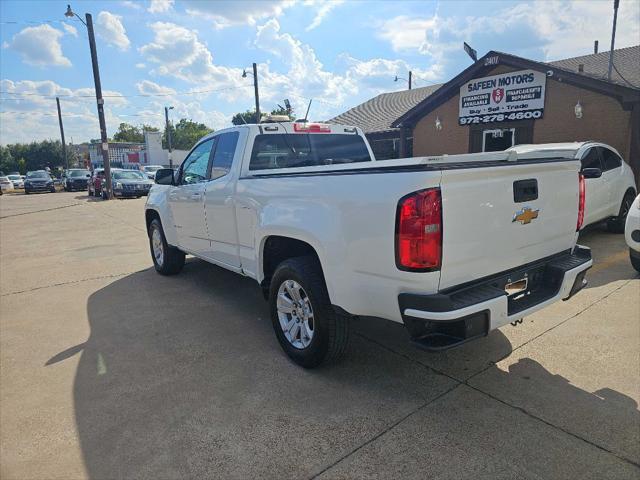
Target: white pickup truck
452 247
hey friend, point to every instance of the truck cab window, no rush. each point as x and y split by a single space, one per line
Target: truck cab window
610 159
223 155
194 169
591 159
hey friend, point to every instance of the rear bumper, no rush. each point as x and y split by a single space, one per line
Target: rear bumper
460 314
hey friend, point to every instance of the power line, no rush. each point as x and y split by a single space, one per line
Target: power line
197 92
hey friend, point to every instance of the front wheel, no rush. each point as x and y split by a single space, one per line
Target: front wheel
167 260
307 327
616 224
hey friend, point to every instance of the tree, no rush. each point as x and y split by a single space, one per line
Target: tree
185 134
33 156
250 116
7 164
132 133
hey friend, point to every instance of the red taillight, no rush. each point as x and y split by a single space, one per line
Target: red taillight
312 127
419 231
581 188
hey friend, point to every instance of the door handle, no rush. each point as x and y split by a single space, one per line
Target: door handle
195 196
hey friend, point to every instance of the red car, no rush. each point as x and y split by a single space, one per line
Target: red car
94 185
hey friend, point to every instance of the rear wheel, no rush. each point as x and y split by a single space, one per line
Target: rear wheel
616 224
307 327
167 260
635 259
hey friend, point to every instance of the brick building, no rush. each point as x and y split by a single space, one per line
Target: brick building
508 100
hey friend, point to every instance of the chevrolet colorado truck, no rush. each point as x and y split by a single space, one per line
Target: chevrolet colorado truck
450 246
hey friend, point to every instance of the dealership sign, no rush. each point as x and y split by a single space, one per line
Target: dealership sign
502 98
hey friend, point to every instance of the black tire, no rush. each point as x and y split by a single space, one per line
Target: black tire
616 224
635 260
173 258
330 329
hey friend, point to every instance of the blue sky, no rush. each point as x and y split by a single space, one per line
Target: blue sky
191 53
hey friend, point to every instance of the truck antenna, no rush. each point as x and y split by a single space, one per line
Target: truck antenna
306 115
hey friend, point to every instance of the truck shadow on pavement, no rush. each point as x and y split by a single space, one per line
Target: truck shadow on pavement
183 377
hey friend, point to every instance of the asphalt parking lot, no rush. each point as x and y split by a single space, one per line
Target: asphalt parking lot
108 370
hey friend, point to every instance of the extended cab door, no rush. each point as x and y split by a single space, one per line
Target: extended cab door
596 189
186 200
220 206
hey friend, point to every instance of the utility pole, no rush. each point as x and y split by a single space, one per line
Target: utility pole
616 4
410 75
64 145
166 121
255 88
100 101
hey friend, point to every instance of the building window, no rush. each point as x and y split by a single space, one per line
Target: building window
497 140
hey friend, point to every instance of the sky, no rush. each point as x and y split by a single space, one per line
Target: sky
190 54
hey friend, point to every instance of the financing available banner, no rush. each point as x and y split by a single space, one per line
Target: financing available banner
501 98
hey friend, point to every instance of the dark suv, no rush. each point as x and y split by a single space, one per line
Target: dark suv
38 181
75 179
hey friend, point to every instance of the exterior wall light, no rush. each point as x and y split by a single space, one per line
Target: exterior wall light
578 110
438 124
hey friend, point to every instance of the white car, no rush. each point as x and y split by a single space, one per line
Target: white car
632 233
150 170
451 246
17 181
6 185
610 184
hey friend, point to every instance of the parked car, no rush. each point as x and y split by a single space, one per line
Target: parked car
128 183
38 181
6 185
632 233
16 180
452 246
150 170
75 179
94 184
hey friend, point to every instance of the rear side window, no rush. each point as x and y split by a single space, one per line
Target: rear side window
223 156
306 150
610 159
591 159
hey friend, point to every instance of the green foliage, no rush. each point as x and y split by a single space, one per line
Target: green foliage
185 134
23 157
132 133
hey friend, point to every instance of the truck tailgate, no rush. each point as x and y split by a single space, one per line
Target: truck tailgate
500 217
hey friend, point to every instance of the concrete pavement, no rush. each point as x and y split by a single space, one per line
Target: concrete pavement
108 370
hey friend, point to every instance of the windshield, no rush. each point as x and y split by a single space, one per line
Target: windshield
296 150
132 175
78 173
152 168
14 177
38 175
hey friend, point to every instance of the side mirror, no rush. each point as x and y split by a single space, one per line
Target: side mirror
591 172
164 176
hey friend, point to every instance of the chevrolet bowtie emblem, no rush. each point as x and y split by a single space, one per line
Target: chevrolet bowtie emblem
525 215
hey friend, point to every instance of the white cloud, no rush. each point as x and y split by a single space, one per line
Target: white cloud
560 28
33 117
325 6
39 46
178 52
131 4
160 6
110 28
147 87
141 65
225 14
70 29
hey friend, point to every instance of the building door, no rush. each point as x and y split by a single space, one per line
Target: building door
498 140
521 132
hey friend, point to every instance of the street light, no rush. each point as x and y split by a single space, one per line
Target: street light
99 100
255 88
166 119
406 80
